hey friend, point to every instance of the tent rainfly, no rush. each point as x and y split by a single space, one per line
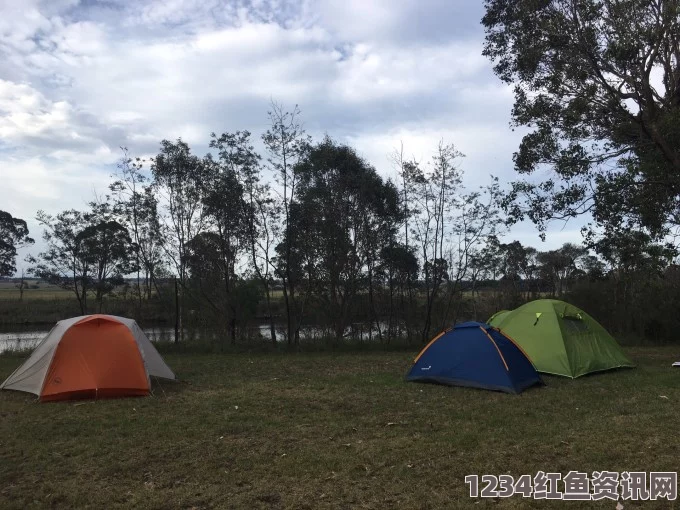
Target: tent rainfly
476 355
92 356
560 338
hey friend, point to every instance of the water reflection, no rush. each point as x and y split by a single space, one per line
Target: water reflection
18 337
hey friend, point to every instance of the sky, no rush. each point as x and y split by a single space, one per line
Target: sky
81 78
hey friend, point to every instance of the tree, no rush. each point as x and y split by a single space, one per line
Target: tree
286 143
63 262
106 247
559 267
178 177
258 212
409 176
263 213
593 268
378 227
480 265
399 264
13 235
636 264
22 285
474 222
518 263
150 241
344 213
630 251
85 252
598 82
226 215
210 263
138 210
436 196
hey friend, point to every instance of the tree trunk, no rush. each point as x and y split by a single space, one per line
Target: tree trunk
139 286
390 316
232 327
272 327
289 319
429 295
178 313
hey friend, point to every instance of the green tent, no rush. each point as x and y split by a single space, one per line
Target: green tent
498 316
560 338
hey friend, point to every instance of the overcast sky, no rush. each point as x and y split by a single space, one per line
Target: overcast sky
79 79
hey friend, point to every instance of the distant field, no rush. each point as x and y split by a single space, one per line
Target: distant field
8 290
46 291
308 431
36 294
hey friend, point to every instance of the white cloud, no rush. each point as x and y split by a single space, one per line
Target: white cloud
559 234
19 22
27 113
370 74
412 22
34 184
80 80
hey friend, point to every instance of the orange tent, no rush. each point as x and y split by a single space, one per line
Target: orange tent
94 356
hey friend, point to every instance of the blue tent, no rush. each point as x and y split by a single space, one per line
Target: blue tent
475 354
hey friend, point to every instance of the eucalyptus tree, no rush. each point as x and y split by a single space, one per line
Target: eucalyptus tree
409 177
226 215
256 208
150 241
106 246
345 211
286 143
437 195
598 84
518 264
378 228
63 262
559 267
399 266
178 180
85 252
474 221
636 268
13 235
137 206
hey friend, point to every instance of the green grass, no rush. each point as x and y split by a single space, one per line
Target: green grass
330 430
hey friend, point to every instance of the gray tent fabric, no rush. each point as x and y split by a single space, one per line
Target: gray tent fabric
155 365
30 376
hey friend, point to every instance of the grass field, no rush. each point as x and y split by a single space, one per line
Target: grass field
329 430
9 291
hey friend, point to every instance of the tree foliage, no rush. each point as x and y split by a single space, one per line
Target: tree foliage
137 208
598 84
85 252
13 235
343 213
287 143
354 253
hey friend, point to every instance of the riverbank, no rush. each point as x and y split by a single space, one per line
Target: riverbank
328 430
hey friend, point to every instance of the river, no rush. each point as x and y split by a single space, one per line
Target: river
15 337
19 337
